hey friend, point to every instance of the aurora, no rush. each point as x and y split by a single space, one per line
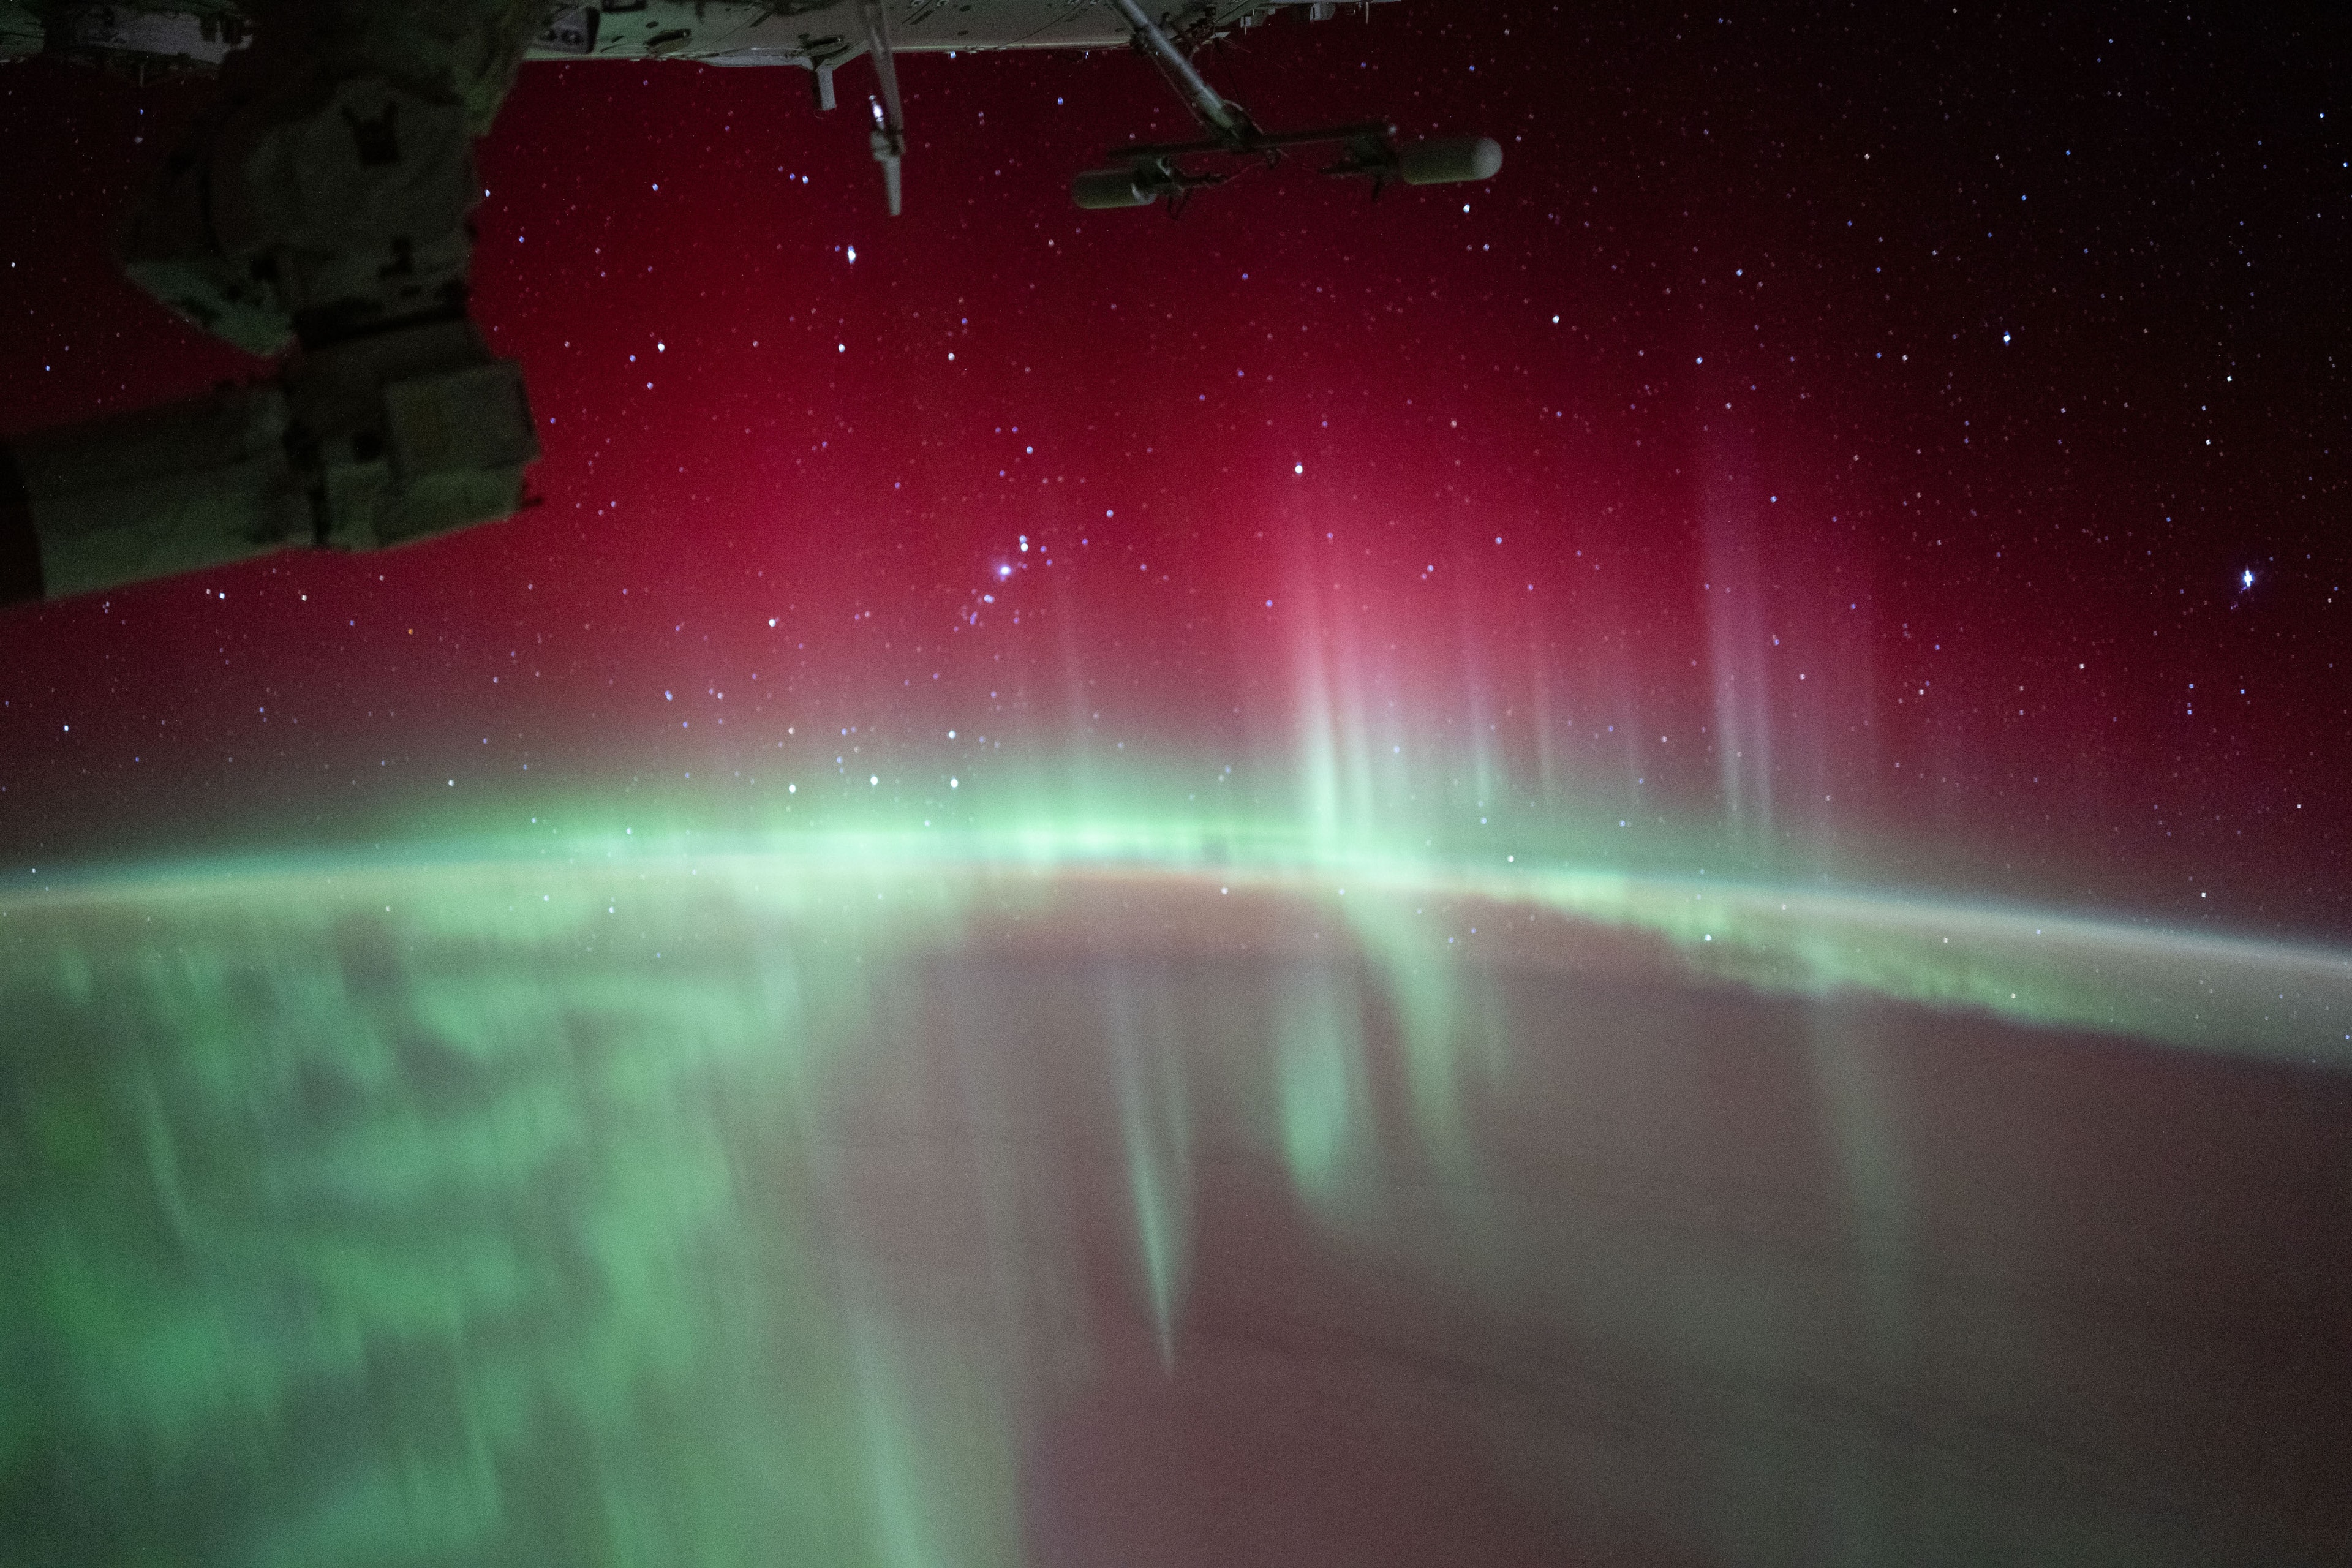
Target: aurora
772 1196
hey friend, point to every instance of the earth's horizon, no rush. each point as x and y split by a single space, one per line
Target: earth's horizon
851 1206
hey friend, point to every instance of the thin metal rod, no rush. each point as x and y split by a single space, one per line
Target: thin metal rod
889 137
1208 105
886 65
1373 129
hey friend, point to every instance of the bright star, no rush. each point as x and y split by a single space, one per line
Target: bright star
2246 578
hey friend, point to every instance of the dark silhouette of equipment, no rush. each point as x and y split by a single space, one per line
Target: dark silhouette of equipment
1146 172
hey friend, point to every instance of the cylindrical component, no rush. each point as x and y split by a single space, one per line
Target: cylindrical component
148 494
1448 160
1100 188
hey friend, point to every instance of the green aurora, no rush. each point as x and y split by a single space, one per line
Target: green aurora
502 1207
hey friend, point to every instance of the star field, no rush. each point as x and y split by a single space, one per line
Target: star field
1912 447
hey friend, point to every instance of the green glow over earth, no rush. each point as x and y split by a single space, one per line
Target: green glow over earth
581 1199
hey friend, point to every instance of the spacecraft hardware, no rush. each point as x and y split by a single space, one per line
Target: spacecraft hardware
319 210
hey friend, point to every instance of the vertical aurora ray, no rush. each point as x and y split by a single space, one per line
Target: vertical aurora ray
1147 1072
1451 1046
1320 1089
1863 1113
1739 670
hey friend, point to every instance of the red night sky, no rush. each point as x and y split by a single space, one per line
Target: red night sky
1858 427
